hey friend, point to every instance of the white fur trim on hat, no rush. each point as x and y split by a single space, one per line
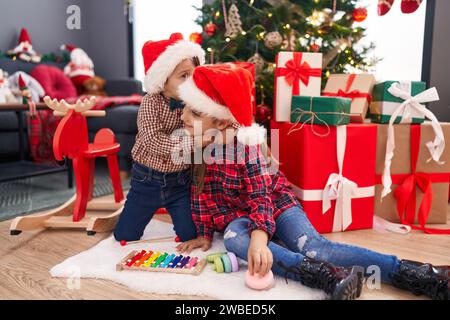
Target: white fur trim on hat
197 100
251 136
79 57
163 66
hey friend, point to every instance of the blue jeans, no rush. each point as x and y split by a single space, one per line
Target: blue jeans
300 239
151 190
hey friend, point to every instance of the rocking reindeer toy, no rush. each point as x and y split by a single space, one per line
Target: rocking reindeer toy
71 141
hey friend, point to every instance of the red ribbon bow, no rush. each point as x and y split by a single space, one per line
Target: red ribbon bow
295 71
406 191
349 94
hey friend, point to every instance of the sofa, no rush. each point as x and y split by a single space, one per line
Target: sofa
121 119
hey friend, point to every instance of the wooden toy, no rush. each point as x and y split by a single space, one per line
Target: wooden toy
223 262
161 262
162 239
71 141
259 283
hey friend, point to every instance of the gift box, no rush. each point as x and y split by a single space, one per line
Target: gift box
420 185
357 87
331 170
296 73
390 96
250 67
320 110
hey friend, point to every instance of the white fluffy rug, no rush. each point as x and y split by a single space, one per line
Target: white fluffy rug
100 262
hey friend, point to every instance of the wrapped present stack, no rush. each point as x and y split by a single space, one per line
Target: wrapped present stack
359 148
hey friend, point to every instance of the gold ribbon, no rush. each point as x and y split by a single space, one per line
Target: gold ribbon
313 116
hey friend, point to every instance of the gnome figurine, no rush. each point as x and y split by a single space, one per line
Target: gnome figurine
24 50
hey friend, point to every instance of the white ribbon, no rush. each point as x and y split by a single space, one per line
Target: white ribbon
337 188
382 225
405 110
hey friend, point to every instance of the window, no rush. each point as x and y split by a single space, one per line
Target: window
399 41
156 20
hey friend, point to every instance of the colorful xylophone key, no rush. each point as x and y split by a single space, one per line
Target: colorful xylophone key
144 258
191 263
160 259
166 262
152 259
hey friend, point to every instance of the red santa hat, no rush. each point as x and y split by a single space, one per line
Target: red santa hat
21 82
78 56
162 57
24 36
224 91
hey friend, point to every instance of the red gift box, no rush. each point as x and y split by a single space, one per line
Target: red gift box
309 157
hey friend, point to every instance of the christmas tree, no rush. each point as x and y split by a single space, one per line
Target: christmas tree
255 30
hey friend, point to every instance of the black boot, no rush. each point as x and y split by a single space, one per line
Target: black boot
423 278
340 283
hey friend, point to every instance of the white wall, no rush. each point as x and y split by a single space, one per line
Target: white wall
156 20
399 40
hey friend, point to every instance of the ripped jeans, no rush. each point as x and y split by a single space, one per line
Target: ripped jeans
300 239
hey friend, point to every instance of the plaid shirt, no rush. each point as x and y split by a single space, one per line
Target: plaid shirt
158 139
240 188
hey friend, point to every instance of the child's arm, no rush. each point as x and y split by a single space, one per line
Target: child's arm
202 218
258 180
259 256
203 209
149 121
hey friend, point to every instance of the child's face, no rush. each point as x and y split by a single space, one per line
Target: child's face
201 124
183 70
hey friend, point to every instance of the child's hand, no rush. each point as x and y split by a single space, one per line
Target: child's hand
259 256
190 245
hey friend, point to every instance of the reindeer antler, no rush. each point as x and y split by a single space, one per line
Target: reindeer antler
54 105
86 105
60 108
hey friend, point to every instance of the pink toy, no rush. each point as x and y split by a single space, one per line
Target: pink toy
259 283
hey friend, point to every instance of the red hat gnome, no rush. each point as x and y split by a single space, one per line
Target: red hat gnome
80 68
24 50
162 57
225 93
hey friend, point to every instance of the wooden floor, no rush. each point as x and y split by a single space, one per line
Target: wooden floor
25 261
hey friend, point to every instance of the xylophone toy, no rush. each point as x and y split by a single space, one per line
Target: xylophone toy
161 262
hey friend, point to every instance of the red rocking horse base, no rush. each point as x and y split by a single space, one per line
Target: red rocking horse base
71 141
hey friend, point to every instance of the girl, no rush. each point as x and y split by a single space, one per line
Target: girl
158 181
255 208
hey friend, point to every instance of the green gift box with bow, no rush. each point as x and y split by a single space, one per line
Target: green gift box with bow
333 111
384 103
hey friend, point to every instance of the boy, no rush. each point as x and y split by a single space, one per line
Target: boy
158 181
